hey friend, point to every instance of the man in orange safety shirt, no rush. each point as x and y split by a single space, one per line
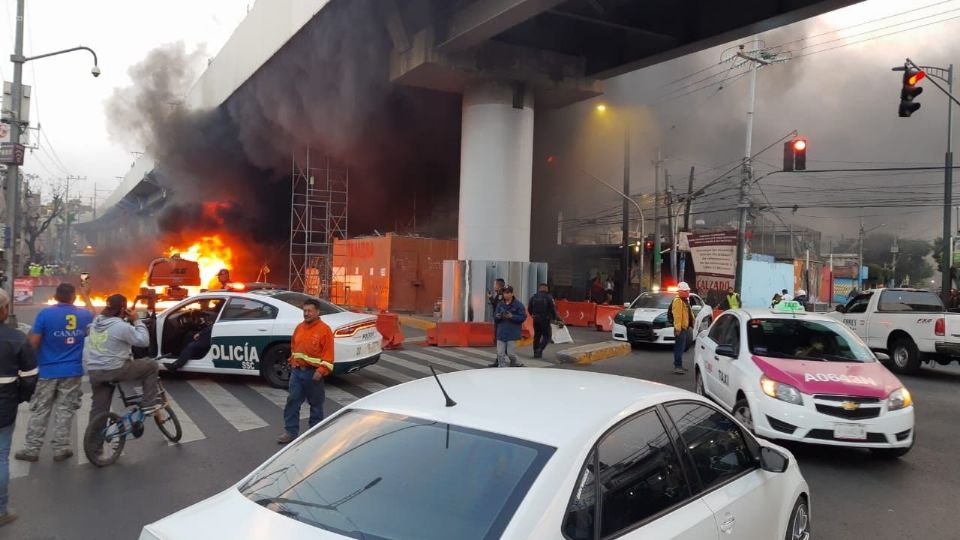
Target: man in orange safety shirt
311 359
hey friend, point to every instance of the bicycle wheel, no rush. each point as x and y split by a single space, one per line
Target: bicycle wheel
168 423
104 439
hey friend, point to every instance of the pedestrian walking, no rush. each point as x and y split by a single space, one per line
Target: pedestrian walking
18 379
544 312
511 315
58 334
495 297
681 316
311 359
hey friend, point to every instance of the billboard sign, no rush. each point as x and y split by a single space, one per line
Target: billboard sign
715 258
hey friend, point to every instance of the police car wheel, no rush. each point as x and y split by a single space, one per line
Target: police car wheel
276 365
741 411
799 526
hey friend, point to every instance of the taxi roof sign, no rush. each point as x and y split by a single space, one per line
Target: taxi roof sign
789 306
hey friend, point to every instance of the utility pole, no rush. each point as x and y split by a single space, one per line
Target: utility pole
670 225
860 259
13 170
686 214
656 221
895 250
745 169
625 255
68 250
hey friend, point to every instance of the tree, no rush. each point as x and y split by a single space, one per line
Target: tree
911 259
37 217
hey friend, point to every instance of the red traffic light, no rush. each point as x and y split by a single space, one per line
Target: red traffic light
913 78
799 145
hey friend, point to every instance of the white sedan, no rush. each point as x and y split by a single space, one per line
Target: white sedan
793 375
645 320
524 454
250 333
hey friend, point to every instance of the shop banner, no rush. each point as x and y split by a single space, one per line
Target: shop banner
714 256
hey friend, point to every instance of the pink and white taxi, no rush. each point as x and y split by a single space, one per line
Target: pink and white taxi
792 375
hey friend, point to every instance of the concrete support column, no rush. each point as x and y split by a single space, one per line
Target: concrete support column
496 172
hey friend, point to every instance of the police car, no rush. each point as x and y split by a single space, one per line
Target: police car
564 454
645 320
251 333
793 375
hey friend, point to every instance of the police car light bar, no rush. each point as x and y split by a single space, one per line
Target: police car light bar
790 306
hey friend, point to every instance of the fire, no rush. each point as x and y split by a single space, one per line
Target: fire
211 253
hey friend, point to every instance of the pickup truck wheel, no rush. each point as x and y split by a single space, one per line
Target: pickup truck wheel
904 356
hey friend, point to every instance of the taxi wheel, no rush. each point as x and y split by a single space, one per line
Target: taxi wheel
741 411
904 356
699 382
799 527
276 365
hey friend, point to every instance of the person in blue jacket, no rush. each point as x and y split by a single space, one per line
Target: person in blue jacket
510 315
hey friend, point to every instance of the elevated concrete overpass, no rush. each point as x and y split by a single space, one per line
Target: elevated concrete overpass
506 58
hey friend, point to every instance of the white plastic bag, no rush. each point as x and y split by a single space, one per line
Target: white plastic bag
561 334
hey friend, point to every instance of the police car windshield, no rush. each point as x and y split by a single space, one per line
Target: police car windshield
804 339
375 475
296 300
653 301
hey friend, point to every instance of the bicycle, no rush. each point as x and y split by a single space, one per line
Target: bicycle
106 434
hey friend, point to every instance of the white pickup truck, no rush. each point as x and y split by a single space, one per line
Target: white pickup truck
911 325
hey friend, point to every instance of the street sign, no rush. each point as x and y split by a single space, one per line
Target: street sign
11 154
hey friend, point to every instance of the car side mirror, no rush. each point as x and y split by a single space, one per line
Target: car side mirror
726 350
883 357
841 308
626 304
773 460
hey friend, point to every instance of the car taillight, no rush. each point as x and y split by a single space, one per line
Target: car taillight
940 328
351 329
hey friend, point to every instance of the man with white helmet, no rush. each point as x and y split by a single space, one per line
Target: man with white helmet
801 297
681 316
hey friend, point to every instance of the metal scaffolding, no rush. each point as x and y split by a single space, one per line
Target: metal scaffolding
318 215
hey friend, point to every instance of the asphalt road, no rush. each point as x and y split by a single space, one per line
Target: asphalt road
231 423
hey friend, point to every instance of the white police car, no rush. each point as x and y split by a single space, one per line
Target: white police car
645 320
251 333
793 375
563 454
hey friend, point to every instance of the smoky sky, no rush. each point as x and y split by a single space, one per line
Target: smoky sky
844 101
327 90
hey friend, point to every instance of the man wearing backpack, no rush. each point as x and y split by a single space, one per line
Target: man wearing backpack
544 311
681 317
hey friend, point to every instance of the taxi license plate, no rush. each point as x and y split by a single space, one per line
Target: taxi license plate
854 432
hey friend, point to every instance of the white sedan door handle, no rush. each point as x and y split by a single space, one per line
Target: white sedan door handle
727 524
262 329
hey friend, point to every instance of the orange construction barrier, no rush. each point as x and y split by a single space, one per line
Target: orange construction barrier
577 313
388 324
605 315
480 334
453 334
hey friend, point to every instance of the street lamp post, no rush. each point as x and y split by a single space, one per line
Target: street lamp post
640 227
625 254
863 233
13 170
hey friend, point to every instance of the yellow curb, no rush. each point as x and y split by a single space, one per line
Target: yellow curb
586 357
415 322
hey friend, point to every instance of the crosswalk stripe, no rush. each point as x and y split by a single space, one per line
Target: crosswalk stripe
481 352
415 366
391 374
358 380
463 357
279 398
225 403
191 432
19 468
338 395
436 360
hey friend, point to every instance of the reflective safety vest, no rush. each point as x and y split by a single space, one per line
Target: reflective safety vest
733 301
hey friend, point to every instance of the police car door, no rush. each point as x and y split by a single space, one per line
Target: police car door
242 333
855 315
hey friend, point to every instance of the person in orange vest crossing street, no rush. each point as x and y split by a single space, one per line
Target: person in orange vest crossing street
311 359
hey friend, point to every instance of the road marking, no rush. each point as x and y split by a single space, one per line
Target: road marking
191 432
279 398
19 469
437 360
358 380
338 395
225 403
391 374
481 352
419 368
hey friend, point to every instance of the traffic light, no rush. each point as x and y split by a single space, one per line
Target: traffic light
911 76
795 154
